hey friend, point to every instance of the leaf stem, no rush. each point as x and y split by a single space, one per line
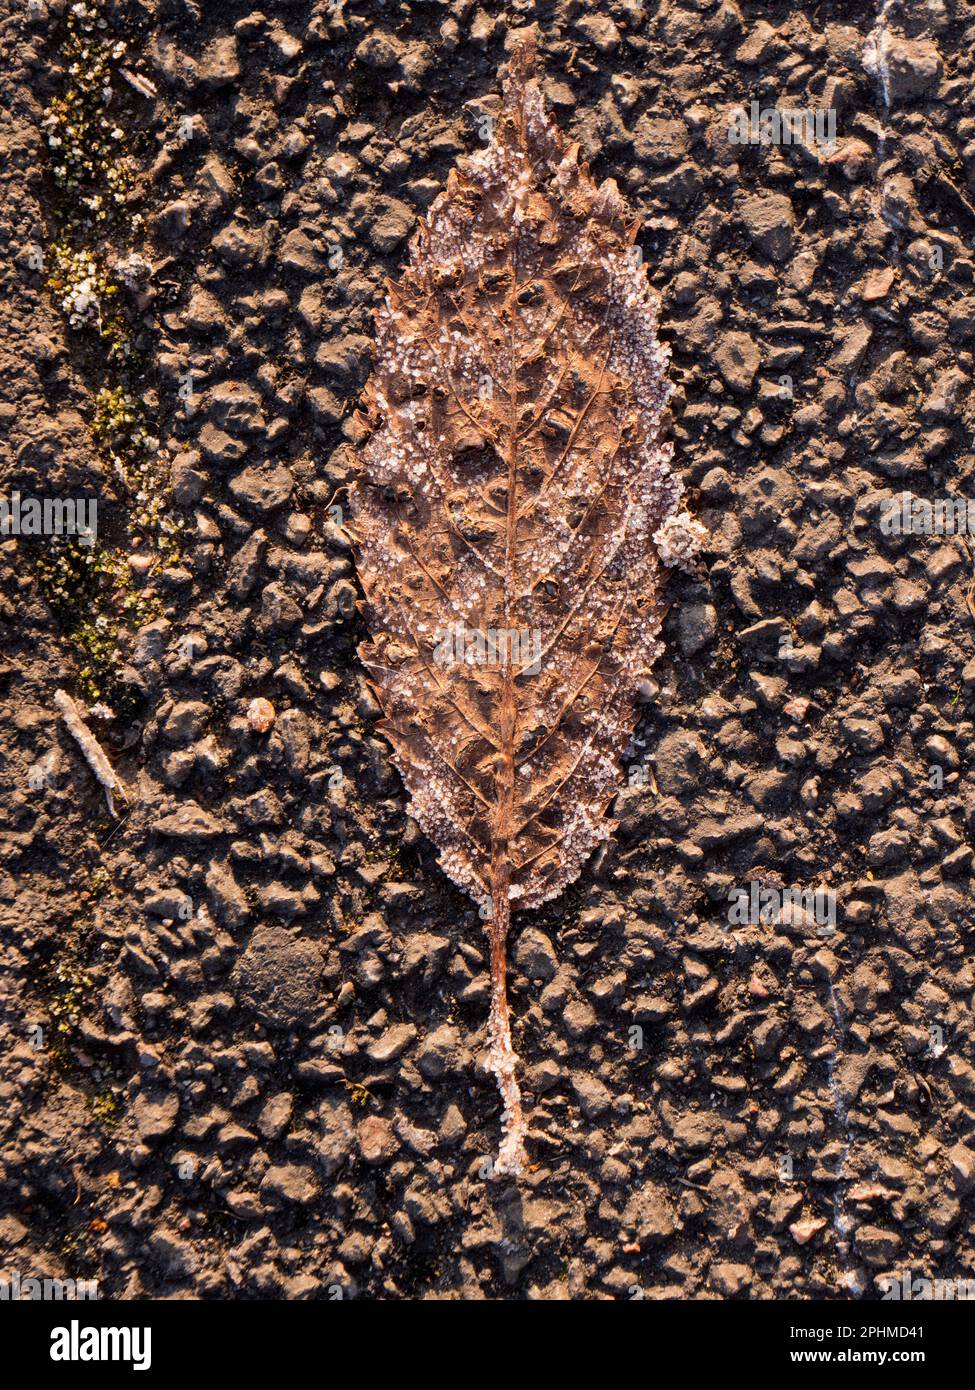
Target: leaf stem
501 1055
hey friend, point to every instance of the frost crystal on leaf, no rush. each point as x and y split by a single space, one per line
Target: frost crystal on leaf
679 539
515 486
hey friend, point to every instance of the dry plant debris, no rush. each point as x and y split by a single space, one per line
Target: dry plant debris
515 509
90 747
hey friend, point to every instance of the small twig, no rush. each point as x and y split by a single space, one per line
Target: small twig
116 828
141 84
90 747
686 1182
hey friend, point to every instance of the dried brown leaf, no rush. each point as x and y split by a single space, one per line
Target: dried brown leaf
515 508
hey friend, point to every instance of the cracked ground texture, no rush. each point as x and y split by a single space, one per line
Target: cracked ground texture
241 1028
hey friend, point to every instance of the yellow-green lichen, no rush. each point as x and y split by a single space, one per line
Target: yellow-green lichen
83 133
88 297
92 588
92 592
106 1108
69 985
120 429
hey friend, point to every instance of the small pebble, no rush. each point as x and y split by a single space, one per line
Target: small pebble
260 715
